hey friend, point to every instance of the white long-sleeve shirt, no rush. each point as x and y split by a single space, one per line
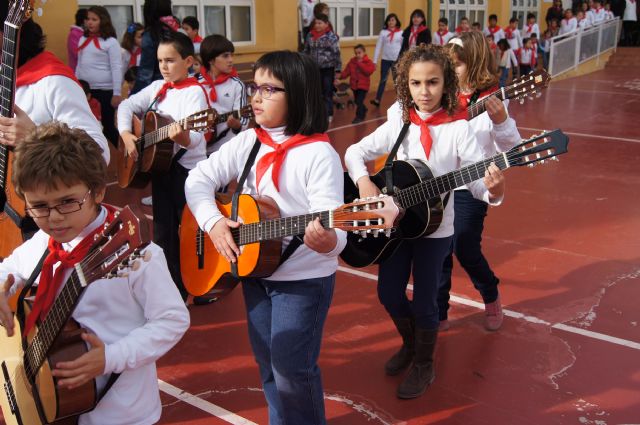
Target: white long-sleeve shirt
311 180
568 25
230 96
441 40
596 16
527 30
101 68
59 98
497 36
177 104
630 11
306 12
139 318
516 39
389 49
454 146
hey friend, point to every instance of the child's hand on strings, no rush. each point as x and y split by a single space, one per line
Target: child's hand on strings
6 316
129 140
179 135
318 238
86 367
494 181
222 239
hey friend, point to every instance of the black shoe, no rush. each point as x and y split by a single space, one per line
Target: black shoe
422 373
375 102
403 358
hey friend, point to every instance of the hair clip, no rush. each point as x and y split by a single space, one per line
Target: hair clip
457 41
131 29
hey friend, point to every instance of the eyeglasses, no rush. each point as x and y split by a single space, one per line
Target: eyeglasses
265 90
64 208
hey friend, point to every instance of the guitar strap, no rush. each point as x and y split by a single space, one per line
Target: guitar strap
388 165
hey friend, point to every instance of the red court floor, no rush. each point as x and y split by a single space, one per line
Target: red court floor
566 247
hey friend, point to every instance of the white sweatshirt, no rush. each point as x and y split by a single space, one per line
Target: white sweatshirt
630 11
101 68
139 318
454 146
311 180
442 40
390 49
177 104
516 39
596 16
306 12
567 26
528 30
58 98
497 36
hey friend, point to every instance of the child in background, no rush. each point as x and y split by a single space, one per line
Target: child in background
417 32
177 96
463 26
128 322
196 68
512 34
596 14
191 26
100 64
131 46
569 23
531 27
477 27
494 29
93 103
442 36
297 167
608 13
75 33
389 43
358 70
507 61
527 57
582 21
493 47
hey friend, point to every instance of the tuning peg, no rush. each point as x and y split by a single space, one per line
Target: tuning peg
363 233
387 233
376 232
521 101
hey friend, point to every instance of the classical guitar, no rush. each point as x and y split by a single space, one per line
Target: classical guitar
15 226
244 112
30 395
418 194
259 237
155 149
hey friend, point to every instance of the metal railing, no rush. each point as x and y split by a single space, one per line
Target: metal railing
567 51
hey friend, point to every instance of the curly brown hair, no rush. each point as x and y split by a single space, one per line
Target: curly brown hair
480 61
426 53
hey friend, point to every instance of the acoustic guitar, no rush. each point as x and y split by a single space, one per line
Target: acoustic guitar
417 192
259 237
31 395
15 226
155 149
244 112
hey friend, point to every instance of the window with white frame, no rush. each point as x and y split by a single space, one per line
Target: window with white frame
521 8
454 10
232 18
353 19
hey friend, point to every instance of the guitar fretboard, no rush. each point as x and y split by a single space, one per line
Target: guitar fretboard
479 107
159 135
278 228
7 89
436 186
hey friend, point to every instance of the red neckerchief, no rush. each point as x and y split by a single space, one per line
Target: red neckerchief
442 34
171 22
133 60
509 32
317 34
463 99
494 29
187 82
597 10
221 78
530 28
197 39
392 33
50 283
459 30
42 65
413 37
440 117
85 43
279 153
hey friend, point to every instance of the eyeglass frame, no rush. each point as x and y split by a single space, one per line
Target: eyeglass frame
29 211
261 89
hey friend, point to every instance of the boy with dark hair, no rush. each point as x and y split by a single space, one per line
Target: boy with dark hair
443 35
494 29
226 91
359 70
191 26
177 96
129 322
512 34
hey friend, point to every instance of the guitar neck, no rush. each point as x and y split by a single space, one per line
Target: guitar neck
47 332
278 228
224 117
436 186
7 87
479 107
159 135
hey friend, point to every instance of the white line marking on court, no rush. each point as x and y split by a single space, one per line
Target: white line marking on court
576 89
203 405
516 315
354 125
112 183
595 136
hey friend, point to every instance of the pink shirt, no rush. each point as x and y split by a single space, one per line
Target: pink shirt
72 46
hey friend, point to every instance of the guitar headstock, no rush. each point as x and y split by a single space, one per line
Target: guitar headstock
19 11
202 120
245 112
538 149
528 85
119 246
368 215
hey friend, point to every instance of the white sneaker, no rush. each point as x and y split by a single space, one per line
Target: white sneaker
330 118
147 200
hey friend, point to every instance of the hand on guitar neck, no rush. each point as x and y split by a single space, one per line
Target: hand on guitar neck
16 128
176 133
496 110
6 316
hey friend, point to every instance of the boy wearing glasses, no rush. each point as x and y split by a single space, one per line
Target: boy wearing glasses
226 91
178 96
130 321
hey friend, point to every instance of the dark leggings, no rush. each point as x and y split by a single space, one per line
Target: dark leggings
108 115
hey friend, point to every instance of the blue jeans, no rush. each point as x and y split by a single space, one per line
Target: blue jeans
468 226
385 67
504 74
423 257
285 320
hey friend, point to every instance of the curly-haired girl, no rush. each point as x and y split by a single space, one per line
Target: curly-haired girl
438 136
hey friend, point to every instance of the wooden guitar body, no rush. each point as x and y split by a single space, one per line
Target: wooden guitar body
418 221
203 269
11 235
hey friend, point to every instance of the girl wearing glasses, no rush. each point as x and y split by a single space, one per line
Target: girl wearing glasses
297 167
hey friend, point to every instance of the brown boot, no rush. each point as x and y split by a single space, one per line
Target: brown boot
402 359
421 374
